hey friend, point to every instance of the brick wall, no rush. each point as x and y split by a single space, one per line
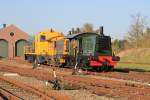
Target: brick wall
18 35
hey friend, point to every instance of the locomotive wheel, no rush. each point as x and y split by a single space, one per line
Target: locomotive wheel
108 68
48 63
111 68
103 69
99 69
62 65
35 64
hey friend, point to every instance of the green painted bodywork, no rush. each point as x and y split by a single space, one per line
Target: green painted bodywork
90 45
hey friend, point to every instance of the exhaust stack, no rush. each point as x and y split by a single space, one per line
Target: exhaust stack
101 31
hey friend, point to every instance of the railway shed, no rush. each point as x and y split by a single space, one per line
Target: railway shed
12 41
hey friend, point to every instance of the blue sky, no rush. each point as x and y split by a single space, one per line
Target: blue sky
37 15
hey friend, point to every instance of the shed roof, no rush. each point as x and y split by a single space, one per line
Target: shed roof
12 27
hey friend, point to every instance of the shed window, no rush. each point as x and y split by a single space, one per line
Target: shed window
11 33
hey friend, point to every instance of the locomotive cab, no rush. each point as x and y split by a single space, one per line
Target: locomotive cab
91 51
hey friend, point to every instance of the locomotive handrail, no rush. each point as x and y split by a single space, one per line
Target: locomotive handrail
28 49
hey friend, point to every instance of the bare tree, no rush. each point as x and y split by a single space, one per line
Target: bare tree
146 38
137 29
88 27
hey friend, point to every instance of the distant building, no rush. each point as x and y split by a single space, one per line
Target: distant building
12 41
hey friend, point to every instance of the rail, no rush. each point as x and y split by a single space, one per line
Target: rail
46 95
6 95
140 63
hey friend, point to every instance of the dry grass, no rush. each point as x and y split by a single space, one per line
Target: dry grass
136 56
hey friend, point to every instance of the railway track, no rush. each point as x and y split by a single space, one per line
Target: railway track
134 63
117 74
16 90
108 87
10 91
142 77
7 95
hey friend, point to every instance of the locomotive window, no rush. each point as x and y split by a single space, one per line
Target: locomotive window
60 47
88 45
42 38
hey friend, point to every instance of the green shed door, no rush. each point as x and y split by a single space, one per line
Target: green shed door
3 48
20 47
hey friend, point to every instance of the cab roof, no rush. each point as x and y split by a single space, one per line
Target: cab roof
72 36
